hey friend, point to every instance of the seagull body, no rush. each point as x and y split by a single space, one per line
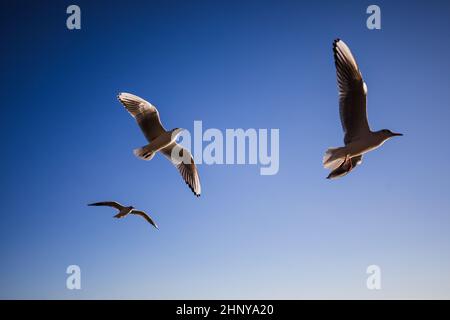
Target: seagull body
358 139
124 211
160 140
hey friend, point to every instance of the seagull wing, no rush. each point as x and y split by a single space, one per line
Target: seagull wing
113 204
146 115
145 216
345 167
352 93
187 168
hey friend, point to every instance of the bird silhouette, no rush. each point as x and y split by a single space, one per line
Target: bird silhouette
124 211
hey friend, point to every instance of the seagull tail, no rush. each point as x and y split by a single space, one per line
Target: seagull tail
333 158
144 153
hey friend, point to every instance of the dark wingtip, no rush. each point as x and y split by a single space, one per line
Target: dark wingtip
94 204
192 189
335 46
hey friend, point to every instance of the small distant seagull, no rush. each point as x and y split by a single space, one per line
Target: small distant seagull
147 117
358 139
124 211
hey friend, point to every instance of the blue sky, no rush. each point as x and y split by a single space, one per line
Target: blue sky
231 64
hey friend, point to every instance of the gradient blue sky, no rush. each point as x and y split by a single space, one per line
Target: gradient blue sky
232 64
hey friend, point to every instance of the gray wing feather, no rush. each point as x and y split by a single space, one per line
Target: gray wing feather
187 168
113 204
352 93
146 115
145 216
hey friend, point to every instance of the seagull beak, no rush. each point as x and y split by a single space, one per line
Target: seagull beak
397 134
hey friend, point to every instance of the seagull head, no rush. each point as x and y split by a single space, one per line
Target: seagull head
386 133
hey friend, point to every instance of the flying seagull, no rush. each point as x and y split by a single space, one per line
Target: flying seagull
147 117
124 211
358 138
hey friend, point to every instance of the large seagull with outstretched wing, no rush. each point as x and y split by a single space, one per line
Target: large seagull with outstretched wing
160 140
358 138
